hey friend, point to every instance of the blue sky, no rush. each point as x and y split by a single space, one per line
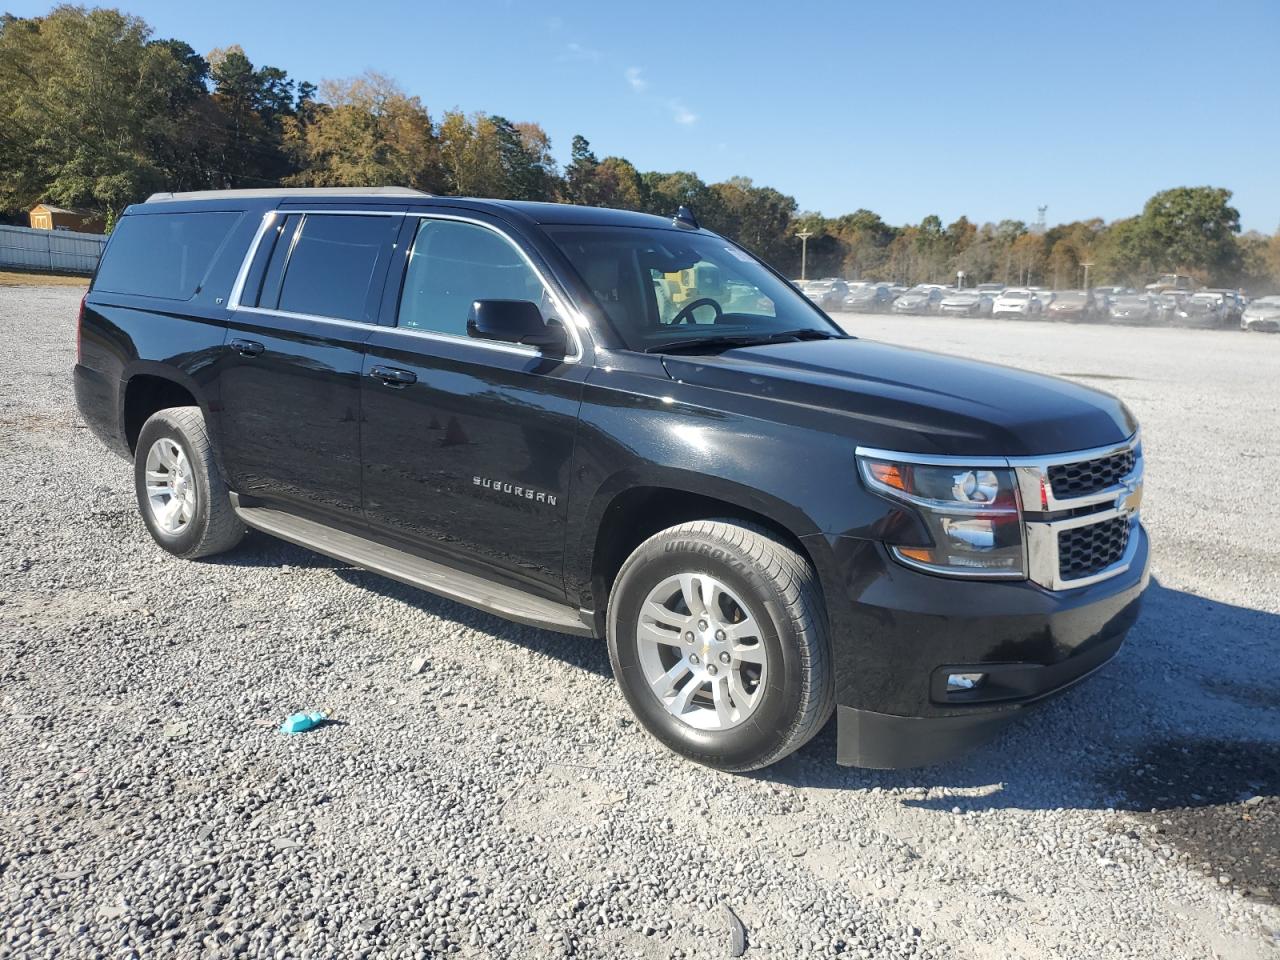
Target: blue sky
986 109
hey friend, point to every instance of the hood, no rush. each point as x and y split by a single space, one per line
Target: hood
918 402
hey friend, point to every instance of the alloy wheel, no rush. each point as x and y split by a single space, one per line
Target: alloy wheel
701 651
171 486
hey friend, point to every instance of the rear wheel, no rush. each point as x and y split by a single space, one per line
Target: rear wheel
181 495
718 639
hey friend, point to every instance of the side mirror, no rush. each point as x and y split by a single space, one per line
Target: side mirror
515 321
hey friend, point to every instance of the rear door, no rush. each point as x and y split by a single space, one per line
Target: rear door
292 363
467 443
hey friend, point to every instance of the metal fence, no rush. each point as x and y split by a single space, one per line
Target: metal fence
56 250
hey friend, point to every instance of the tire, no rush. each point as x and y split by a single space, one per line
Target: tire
776 591
206 524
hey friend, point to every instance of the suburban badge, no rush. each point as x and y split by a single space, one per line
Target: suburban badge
515 490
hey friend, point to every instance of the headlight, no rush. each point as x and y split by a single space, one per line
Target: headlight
972 515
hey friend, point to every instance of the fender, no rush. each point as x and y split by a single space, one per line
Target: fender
639 429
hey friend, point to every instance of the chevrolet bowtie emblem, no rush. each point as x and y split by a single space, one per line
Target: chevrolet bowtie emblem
1131 499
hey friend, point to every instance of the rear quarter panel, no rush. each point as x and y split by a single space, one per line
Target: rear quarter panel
123 336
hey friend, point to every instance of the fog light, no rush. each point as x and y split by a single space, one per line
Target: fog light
957 682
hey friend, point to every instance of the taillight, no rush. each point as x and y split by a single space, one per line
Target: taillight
80 328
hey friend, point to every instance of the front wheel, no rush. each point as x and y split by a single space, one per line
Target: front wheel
718 638
181 495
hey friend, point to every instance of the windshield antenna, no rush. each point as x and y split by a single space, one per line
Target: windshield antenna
684 218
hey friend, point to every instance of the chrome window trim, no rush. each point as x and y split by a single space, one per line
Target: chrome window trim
516 348
572 316
336 321
237 289
362 325
573 319
1041 536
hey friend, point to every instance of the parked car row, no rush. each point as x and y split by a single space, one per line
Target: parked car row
1161 303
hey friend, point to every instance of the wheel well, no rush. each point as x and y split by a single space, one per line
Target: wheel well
145 395
637 514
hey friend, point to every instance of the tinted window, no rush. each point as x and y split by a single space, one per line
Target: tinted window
453 264
279 242
333 264
163 255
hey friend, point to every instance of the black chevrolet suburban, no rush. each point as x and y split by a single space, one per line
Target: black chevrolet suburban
626 427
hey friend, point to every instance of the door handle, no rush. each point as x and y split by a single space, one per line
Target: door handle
247 348
393 376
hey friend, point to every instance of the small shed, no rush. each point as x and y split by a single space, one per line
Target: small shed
45 216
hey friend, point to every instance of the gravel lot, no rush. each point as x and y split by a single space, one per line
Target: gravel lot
501 803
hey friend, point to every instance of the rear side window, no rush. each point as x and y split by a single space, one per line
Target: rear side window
164 255
330 265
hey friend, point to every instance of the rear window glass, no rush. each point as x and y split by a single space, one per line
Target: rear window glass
333 264
164 255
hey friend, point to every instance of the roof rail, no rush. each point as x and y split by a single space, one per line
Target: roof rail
288 192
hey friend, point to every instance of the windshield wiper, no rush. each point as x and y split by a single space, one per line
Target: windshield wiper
810 334
728 341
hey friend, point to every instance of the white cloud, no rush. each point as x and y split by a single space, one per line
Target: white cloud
635 77
576 51
682 114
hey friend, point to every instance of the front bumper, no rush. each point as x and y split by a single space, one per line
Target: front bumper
900 632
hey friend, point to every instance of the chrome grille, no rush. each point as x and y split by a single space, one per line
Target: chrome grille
1084 551
1089 476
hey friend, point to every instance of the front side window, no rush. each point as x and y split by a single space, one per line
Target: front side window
453 264
331 266
658 285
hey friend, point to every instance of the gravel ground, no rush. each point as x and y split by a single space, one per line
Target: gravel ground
501 803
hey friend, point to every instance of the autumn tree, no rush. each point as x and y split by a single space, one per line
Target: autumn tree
365 131
665 193
759 218
89 105
611 182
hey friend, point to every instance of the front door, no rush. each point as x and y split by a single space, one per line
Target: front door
292 361
466 444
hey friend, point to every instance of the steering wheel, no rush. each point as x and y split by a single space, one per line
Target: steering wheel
686 312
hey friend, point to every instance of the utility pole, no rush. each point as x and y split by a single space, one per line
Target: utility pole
1086 264
804 236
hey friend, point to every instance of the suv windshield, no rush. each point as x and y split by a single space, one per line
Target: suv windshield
658 285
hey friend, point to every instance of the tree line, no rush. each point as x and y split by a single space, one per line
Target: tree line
97 113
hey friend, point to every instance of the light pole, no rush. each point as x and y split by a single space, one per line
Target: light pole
804 236
1086 264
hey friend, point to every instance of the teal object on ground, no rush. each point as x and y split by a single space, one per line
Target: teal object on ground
301 722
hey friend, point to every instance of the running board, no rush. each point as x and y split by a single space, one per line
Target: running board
437 578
